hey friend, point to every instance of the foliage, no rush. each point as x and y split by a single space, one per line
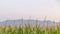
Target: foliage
27 29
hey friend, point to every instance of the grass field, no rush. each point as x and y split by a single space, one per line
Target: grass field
27 29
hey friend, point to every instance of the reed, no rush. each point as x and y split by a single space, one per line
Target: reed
27 29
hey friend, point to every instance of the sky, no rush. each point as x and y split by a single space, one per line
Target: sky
16 9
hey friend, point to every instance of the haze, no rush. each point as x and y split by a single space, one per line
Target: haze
15 9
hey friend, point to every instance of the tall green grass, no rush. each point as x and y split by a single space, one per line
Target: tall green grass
28 29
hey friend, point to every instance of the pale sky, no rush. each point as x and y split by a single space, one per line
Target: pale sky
15 9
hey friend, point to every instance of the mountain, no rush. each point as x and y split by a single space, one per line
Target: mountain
31 22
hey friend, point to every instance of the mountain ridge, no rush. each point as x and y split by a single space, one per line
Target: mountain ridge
26 21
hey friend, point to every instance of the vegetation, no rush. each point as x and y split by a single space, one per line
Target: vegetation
27 29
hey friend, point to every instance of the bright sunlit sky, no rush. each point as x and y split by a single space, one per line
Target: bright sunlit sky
15 9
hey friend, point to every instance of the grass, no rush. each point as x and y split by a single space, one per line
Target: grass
27 29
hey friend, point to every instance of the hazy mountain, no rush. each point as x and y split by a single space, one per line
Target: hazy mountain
31 22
